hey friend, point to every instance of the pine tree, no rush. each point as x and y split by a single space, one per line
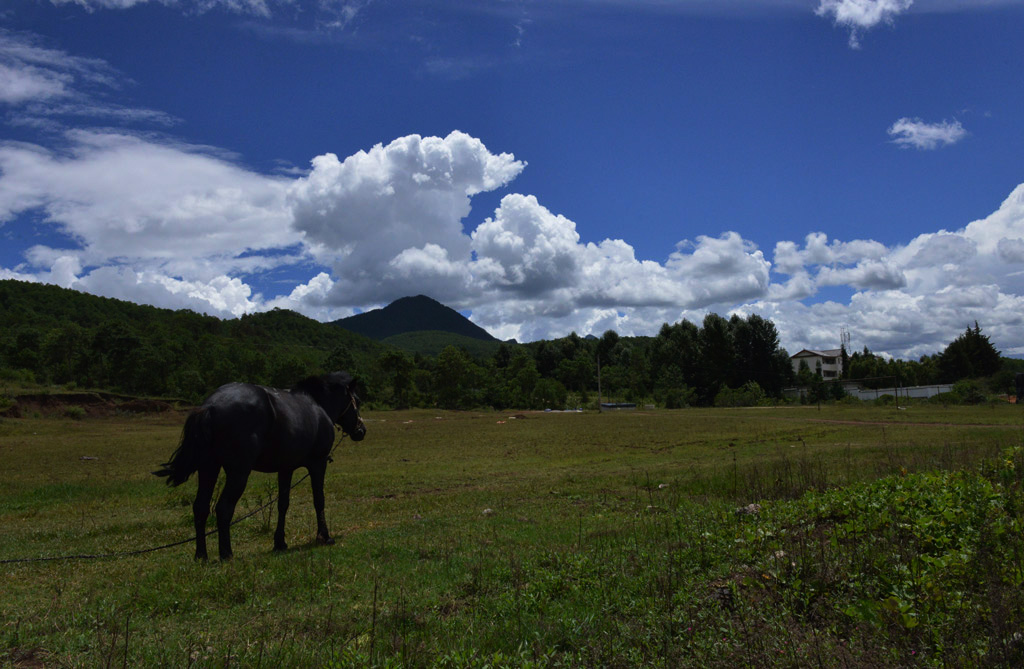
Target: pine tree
971 355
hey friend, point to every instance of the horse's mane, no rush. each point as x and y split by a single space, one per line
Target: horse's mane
316 386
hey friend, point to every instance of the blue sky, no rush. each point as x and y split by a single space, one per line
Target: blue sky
544 166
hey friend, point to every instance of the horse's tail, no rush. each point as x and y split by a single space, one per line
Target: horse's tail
185 460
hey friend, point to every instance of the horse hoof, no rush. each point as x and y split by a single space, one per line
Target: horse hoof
325 541
281 547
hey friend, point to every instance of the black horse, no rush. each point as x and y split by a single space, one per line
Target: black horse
242 427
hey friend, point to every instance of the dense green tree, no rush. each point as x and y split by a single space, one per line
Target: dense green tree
187 384
638 373
717 363
398 372
549 394
251 366
577 373
503 356
606 348
288 370
804 375
549 357
520 377
757 355
455 379
63 348
26 351
114 343
970 355
673 358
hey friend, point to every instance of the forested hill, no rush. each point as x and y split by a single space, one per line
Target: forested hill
54 336
413 314
65 336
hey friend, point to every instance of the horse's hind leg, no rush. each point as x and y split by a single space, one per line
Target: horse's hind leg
284 489
234 485
201 507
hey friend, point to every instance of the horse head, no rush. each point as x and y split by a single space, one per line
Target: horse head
343 403
336 394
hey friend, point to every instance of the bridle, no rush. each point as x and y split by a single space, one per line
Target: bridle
351 405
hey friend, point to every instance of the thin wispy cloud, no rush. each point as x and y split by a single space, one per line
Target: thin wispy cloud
326 14
913 133
31 71
40 84
258 7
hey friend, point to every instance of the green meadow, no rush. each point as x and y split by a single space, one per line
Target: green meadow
851 535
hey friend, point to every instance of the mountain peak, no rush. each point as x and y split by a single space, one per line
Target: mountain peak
412 314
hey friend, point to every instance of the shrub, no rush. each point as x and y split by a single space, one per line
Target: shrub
678 398
968 391
749 395
74 412
944 398
22 376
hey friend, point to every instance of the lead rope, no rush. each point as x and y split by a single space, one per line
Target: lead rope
96 556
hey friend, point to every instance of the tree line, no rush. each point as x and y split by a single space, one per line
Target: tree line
56 336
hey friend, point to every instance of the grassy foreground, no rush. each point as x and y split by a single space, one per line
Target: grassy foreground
849 536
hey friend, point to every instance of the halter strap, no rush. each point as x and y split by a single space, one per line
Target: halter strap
351 405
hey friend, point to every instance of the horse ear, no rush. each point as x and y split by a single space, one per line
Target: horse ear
353 386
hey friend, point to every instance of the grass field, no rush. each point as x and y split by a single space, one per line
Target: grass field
879 537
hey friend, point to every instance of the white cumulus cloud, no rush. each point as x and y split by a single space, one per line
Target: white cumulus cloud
363 213
914 298
533 250
861 15
220 295
176 225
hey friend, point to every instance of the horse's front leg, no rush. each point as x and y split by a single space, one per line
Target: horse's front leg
284 489
234 485
316 477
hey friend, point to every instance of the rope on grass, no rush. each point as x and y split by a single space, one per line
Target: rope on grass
120 554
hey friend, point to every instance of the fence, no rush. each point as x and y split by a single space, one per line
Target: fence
917 392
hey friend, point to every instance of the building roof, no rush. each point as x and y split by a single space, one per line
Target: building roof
808 353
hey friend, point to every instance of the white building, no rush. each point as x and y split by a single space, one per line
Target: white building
826 364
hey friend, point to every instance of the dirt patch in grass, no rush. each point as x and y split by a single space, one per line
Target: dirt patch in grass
29 658
92 404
